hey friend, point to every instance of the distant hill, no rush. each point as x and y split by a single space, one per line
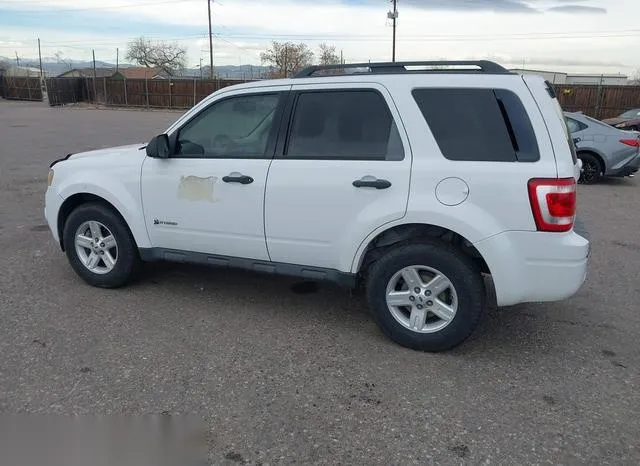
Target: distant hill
54 68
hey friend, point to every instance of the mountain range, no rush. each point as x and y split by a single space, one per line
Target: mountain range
54 68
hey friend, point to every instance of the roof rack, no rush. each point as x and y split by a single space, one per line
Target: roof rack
481 66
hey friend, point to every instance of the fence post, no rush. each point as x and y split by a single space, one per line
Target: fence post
126 102
104 87
598 111
28 85
95 91
146 88
170 96
194 92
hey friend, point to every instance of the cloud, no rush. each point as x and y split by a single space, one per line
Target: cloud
579 9
504 6
511 6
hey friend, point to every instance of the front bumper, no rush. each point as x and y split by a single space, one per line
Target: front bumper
536 266
52 203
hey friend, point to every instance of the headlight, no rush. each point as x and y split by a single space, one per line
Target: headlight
621 125
50 178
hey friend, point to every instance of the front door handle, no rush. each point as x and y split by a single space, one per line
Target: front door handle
237 178
370 182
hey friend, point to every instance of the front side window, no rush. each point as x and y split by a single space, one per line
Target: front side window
343 124
236 127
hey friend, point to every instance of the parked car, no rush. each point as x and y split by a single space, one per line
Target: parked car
414 183
627 120
603 149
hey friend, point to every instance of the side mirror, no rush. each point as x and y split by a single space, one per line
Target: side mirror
158 147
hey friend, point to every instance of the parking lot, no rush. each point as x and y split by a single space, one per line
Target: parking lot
284 373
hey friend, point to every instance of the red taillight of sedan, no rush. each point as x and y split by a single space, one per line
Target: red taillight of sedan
631 142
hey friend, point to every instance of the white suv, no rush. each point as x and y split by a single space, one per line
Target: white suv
414 182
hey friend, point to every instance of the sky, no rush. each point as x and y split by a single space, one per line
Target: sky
579 36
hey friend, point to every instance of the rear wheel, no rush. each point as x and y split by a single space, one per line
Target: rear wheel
591 168
427 297
100 247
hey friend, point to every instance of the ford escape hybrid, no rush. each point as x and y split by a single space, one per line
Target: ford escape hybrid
412 181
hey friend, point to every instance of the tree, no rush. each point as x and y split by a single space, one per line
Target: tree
61 60
172 58
635 80
328 55
286 58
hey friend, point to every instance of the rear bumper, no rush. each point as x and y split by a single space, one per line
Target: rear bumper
536 266
627 169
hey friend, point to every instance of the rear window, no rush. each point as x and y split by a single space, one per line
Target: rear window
489 125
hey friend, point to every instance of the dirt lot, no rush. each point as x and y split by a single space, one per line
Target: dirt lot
283 377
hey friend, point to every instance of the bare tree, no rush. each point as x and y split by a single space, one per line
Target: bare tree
635 80
328 55
286 58
60 59
172 58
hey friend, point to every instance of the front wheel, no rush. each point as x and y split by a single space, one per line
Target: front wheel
427 297
100 247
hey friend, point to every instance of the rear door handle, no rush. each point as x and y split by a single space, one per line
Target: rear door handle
369 182
237 178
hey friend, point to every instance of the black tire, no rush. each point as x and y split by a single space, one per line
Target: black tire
127 264
592 169
461 272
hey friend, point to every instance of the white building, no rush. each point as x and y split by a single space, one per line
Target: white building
555 77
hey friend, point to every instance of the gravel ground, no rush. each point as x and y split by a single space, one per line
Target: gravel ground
284 374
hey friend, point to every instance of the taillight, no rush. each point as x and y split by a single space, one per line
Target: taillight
553 202
631 142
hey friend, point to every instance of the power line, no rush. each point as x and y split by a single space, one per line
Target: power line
370 37
113 7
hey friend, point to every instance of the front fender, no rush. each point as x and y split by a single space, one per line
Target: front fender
124 195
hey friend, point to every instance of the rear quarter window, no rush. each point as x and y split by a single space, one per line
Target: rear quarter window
488 125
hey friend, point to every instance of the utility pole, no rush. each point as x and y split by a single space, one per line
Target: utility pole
117 58
95 94
210 41
341 58
17 59
40 59
393 15
43 82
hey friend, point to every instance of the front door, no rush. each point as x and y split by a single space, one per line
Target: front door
342 171
208 196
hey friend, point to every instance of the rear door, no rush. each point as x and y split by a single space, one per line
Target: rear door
341 170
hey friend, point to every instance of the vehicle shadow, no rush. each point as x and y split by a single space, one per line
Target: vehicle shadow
625 182
505 332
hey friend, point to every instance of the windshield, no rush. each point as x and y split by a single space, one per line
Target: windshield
631 113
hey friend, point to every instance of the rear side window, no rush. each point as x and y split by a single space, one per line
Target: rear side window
344 125
489 125
574 125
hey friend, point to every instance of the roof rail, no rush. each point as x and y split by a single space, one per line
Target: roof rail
481 66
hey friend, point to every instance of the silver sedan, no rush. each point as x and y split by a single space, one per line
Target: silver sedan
603 149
